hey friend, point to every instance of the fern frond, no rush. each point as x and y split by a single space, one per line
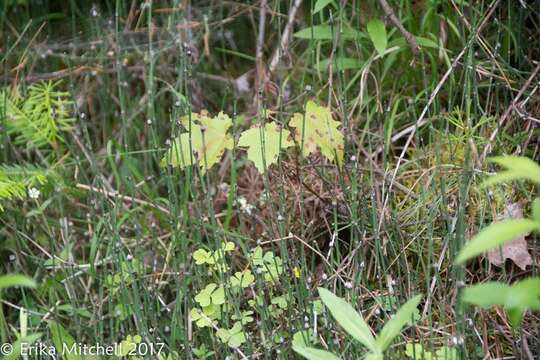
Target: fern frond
15 180
39 118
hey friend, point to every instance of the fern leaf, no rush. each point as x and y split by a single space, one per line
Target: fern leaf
39 118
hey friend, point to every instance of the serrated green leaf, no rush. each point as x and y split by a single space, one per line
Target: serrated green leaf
11 280
201 256
496 234
349 319
377 34
317 129
315 354
264 144
242 279
208 140
393 327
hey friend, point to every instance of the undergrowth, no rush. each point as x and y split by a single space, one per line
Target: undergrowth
202 179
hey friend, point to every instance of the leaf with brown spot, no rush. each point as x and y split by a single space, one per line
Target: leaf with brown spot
516 250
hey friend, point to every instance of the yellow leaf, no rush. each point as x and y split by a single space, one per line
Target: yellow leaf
264 144
209 139
317 129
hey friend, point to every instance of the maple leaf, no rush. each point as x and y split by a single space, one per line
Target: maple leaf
209 139
317 129
264 144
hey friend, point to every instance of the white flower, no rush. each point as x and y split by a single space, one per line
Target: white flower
324 276
33 193
245 206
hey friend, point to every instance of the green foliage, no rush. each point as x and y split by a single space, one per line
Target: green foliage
314 354
494 235
62 338
128 345
517 167
525 294
38 118
417 352
516 299
267 263
392 328
389 212
17 346
327 32
377 34
355 325
242 279
206 316
234 337
317 129
207 138
202 352
264 144
16 181
340 63
536 210
214 259
12 280
304 338
321 4
211 295
349 319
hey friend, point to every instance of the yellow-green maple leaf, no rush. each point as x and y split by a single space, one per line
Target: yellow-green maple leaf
318 129
264 142
209 139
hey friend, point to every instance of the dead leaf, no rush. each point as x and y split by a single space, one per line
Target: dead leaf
516 250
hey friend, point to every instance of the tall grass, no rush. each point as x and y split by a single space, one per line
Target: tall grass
382 227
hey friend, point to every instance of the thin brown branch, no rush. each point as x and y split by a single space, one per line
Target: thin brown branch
285 37
391 15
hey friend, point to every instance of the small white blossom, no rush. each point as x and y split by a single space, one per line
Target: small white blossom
245 206
33 193
457 341
349 285
94 11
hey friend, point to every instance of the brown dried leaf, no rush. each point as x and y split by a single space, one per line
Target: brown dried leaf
516 250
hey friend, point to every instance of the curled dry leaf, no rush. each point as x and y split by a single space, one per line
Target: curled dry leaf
517 249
